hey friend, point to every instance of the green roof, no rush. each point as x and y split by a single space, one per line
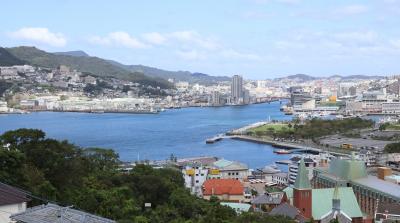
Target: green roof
302 181
289 192
222 163
322 202
348 169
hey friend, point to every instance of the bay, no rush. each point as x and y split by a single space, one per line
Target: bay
181 132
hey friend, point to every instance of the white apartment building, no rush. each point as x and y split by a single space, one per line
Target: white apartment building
195 175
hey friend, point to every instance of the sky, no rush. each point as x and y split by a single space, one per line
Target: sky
258 39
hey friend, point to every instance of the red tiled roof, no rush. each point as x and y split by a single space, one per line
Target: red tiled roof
222 186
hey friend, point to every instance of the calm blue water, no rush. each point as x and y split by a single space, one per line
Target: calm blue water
182 132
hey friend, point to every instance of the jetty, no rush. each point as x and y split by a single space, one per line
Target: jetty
217 138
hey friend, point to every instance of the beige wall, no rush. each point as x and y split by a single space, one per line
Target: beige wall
226 197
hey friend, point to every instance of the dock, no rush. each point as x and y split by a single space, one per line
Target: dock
216 138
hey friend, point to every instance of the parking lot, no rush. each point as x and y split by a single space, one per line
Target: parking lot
337 141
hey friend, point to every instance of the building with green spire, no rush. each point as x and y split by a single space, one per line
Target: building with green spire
323 204
352 173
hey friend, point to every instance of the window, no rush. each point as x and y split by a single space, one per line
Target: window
229 174
237 173
202 174
197 181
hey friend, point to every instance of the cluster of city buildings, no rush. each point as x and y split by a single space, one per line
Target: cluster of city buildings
319 187
64 89
345 97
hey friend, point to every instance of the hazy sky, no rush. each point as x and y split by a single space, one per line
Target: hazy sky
256 38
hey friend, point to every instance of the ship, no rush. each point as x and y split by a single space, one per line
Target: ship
282 151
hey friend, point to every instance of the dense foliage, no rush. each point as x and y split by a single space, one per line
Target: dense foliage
7 59
90 180
392 148
315 128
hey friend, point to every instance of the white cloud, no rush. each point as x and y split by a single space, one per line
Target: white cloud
276 1
193 37
154 38
352 10
119 39
395 43
357 37
191 55
233 54
40 35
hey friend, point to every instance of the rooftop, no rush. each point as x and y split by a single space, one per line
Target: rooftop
267 199
322 202
385 187
11 195
285 209
224 164
222 186
51 213
347 169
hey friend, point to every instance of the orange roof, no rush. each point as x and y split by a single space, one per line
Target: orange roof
222 186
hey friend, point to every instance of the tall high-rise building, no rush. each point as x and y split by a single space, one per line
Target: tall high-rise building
237 89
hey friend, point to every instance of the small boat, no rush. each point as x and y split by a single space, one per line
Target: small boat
282 151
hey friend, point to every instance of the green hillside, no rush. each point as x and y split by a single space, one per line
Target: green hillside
94 65
7 59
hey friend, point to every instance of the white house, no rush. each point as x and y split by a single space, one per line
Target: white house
12 201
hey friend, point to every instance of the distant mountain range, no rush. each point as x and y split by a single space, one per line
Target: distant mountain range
83 62
176 75
305 77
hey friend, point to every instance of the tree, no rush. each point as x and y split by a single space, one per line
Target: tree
392 148
90 180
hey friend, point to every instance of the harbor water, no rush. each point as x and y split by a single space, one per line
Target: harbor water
181 132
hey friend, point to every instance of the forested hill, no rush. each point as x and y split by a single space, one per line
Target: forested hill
7 59
81 61
94 65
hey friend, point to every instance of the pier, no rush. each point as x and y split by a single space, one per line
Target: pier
217 138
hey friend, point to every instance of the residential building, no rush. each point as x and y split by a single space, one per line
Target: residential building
12 201
225 189
294 165
268 201
237 89
347 89
280 178
195 175
215 99
3 107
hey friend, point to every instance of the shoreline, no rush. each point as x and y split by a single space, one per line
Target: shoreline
129 112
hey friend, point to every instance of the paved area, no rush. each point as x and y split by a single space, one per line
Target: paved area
337 141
